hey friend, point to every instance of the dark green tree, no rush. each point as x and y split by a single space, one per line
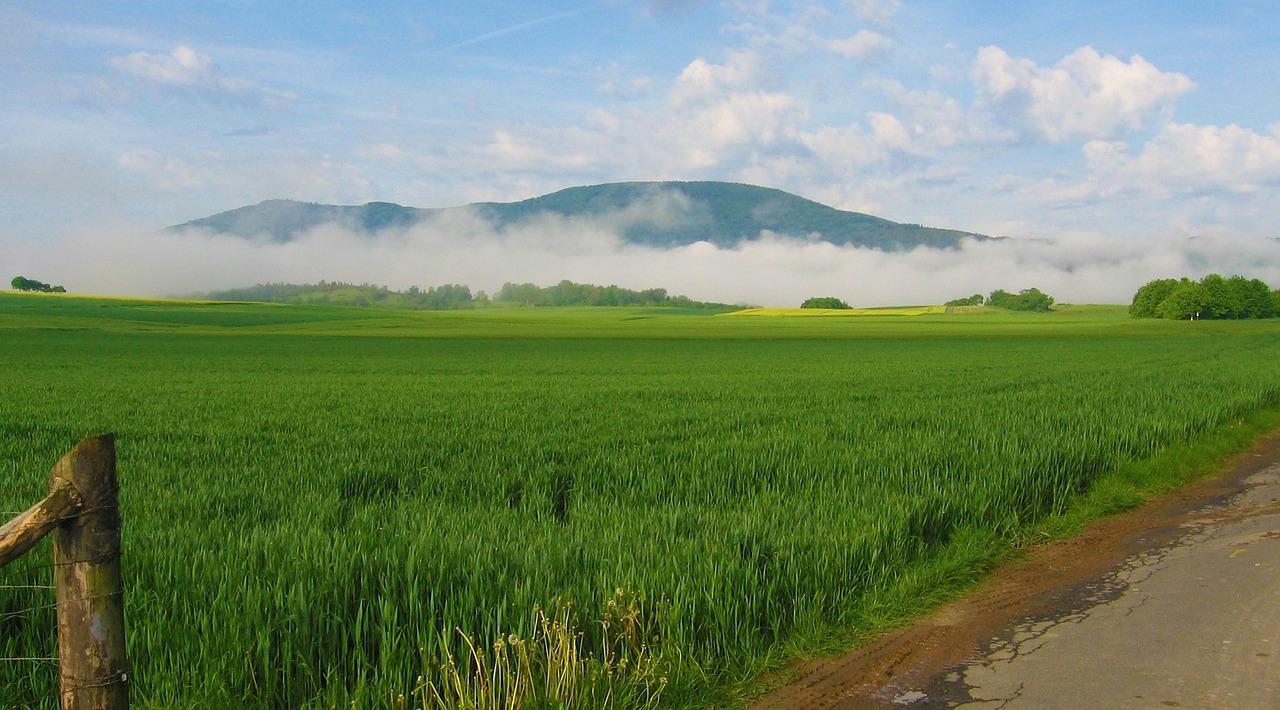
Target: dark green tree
1028 299
21 283
1185 302
974 300
1219 300
1149 297
1213 296
824 302
1254 297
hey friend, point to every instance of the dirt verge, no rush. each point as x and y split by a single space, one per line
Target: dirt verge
1052 581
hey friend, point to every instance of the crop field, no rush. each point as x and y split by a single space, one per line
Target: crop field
645 507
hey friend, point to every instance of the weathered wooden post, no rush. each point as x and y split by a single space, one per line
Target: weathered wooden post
23 532
90 594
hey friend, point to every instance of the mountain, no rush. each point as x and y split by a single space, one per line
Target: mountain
283 220
660 214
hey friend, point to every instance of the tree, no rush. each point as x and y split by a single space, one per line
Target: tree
974 300
20 283
824 302
1028 299
1149 297
1254 297
1211 297
1185 302
1219 299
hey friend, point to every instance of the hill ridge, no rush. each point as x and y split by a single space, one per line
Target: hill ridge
660 214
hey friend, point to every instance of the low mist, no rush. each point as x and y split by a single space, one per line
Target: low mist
773 270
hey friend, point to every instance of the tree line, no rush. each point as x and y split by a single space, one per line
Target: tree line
20 283
1212 297
568 293
456 296
338 293
1028 299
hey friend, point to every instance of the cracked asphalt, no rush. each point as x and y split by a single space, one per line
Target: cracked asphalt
1195 624
1175 604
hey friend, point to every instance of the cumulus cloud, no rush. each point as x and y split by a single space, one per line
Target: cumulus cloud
1085 96
716 115
885 140
773 270
701 80
1186 158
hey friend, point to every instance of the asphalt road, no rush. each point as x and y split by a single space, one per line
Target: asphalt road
1195 624
1176 604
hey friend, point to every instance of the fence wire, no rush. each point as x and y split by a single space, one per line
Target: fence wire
28 620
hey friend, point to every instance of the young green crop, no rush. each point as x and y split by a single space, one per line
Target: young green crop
314 515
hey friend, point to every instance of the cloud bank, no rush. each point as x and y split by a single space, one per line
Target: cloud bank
773 270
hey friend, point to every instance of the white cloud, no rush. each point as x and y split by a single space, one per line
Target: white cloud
854 146
165 173
701 80
939 122
715 116
185 66
755 118
866 46
614 82
1187 158
879 12
1085 96
719 115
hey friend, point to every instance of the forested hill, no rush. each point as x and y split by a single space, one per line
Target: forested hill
659 214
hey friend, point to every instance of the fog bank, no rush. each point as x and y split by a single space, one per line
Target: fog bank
773 270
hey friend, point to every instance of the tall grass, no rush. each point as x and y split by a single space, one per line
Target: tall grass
312 521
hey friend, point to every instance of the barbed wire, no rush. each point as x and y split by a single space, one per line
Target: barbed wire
55 605
34 600
113 679
31 595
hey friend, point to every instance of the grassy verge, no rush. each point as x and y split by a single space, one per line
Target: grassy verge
917 589
1135 482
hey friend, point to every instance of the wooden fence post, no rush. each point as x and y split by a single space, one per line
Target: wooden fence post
90 595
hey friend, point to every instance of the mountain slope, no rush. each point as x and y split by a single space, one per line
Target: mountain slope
660 214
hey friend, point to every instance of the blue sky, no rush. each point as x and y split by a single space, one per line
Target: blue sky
1091 123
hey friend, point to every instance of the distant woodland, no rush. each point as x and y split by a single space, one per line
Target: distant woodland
1213 298
457 296
1028 299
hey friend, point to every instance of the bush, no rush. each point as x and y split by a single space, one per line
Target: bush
824 302
20 283
976 299
1028 299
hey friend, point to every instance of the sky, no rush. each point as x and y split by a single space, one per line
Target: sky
1113 142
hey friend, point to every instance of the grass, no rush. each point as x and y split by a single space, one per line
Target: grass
840 312
327 505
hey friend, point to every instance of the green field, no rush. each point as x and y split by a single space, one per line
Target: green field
320 502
